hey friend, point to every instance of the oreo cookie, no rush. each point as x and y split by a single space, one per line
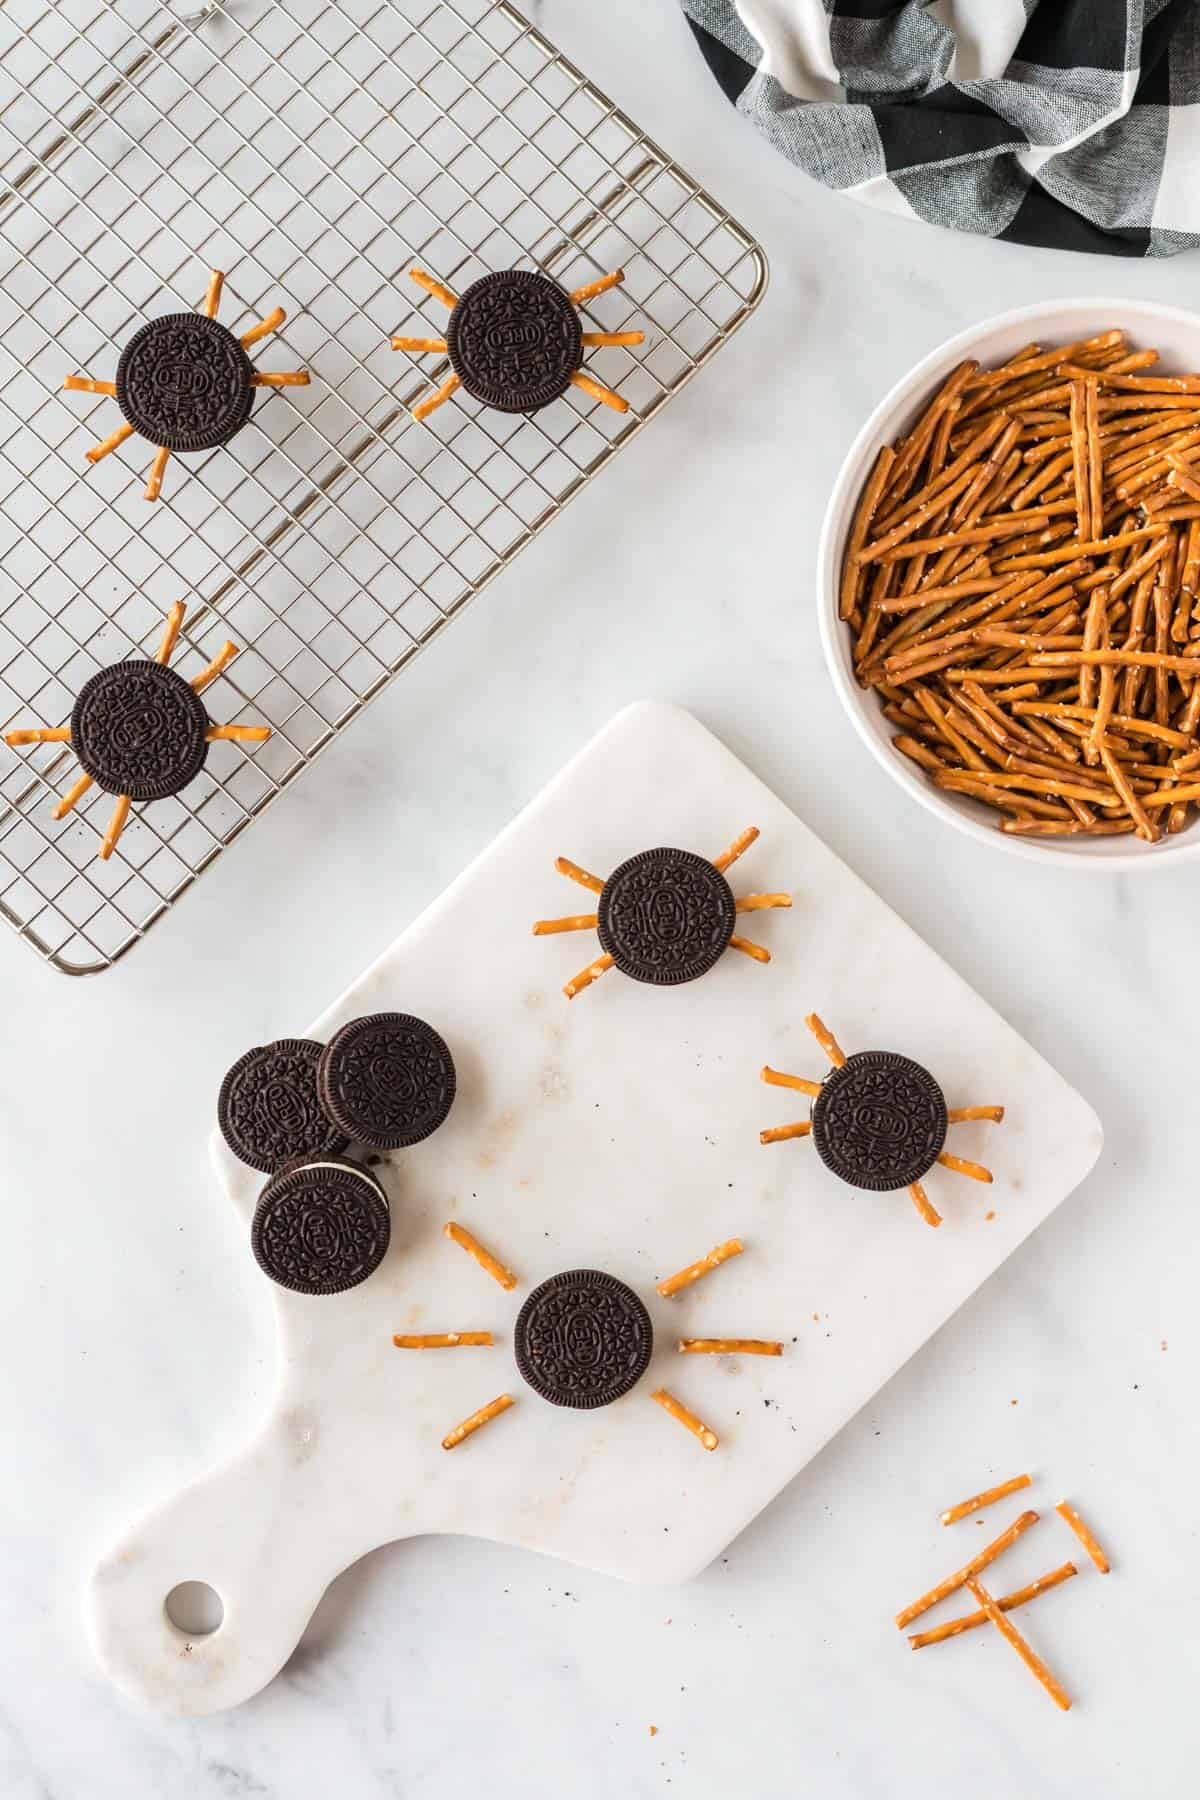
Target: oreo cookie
268 1109
879 1121
185 382
139 729
514 340
386 1081
321 1226
582 1339
666 916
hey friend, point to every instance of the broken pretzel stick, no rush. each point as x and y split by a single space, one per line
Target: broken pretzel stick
585 977
756 952
776 1078
1007 1603
1066 1511
826 1039
730 1347
56 734
977 1564
158 469
237 734
432 401
958 1115
677 1410
924 1204
597 390
761 902
574 873
170 636
281 378
110 443
490 1264
436 288
988 1497
82 384
116 826
72 797
492 1410
577 922
219 663
212 298
441 1340
596 340
959 1164
592 288
264 328
674 1284
1028 1655
739 846
779 1134
421 346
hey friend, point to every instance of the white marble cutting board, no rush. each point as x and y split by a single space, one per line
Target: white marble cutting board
619 1131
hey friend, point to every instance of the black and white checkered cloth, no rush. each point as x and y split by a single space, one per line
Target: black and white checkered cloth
1072 123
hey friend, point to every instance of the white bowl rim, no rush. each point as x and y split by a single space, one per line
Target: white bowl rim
855 700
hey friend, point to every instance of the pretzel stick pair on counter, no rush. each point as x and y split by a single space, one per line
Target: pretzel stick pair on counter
1021 581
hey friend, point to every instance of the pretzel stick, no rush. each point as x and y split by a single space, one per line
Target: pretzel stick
110 443
923 1204
1129 799
1104 710
730 1347
492 1410
989 1496
739 846
826 1039
420 345
978 1562
72 797
157 471
115 827
779 1134
432 401
264 328
585 977
761 902
57 734
1141 659
1029 1656
219 663
281 378
1006 1603
1094 457
1095 635
468 1242
756 952
864 514
677 1410
171 630
598 391
592 288
598 339
776 1078
1083 1533
1079 461
442 1340
578 922
237 734
574 873
958 1115
212 298
976 1171
82 384
685 1277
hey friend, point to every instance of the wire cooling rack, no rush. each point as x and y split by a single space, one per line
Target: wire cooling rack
313 151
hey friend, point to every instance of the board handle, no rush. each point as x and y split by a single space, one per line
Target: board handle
245 1530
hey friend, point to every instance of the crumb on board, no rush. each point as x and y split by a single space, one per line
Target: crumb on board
654 1731
989 1215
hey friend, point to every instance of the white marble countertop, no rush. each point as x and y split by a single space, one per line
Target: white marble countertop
136 1331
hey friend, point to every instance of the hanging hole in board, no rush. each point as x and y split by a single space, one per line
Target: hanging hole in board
194 1608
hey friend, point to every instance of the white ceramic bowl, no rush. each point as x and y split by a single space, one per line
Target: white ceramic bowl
1165 328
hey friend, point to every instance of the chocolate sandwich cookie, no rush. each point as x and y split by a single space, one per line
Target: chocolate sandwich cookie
321 1226
514 340
582 1339
879 1121
666 916
185 382
268 1109
138 728
386 1081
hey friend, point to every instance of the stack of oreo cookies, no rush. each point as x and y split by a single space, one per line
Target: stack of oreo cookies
298 1111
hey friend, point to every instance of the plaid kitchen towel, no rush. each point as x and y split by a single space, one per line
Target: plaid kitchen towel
1071 123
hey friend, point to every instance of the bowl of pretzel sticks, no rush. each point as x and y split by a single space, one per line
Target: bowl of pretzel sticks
1010 582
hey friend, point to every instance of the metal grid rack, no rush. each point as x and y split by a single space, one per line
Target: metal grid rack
313 149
